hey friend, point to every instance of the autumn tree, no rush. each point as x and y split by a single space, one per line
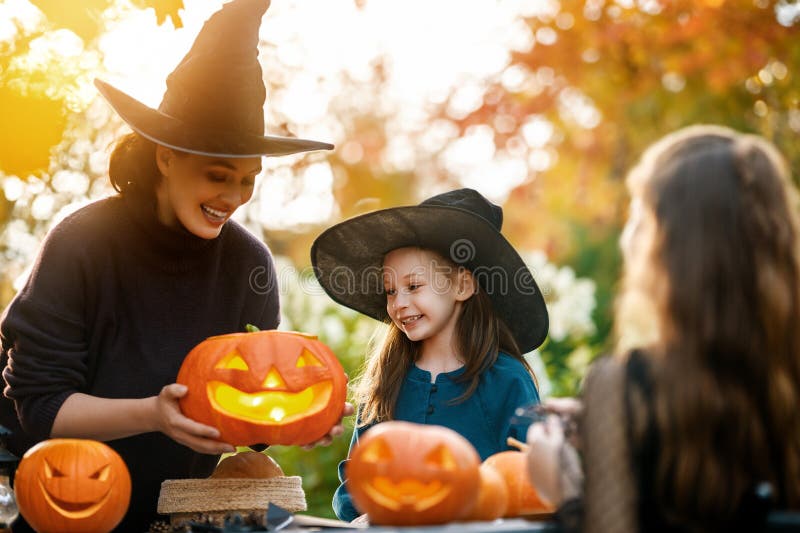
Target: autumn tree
593 82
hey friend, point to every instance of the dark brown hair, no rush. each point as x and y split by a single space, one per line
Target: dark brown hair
721 269
480 333
132 166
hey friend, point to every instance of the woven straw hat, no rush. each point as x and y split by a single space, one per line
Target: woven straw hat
191 496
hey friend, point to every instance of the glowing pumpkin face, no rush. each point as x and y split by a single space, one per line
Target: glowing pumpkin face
272 387
401 473
72 485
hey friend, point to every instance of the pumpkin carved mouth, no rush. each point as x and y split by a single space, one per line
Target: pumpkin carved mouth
406 493
73 510
269 406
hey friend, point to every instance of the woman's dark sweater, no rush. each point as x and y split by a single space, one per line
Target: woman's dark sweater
114 302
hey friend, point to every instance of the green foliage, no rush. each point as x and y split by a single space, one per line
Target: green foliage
596 256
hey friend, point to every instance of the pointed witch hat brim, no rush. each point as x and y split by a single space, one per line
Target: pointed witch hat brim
174 133
214 102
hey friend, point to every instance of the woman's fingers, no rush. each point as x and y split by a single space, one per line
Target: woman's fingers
563 406
199 437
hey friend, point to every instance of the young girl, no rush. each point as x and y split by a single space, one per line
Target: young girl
700 407
461 308
125 287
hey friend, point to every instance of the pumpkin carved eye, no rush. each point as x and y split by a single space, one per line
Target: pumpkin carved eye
102 474
377 452
232 361
441 457
307 359
51 471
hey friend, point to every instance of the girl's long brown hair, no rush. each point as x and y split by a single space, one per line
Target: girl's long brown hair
480 333
721 272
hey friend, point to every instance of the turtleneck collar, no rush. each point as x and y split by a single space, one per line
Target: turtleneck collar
176 249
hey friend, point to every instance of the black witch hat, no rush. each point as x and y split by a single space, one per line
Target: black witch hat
214 103
461 225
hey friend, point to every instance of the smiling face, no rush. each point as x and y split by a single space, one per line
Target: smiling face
424 294
72 485
201 193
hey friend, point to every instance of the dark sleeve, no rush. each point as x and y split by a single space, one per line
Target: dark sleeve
342 503
43 334
610 494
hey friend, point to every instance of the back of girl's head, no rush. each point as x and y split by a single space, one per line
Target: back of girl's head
724 245
480 335
720 268
132 166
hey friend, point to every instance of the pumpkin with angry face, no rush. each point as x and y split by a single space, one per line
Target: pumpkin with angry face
401 473
72 486
272 387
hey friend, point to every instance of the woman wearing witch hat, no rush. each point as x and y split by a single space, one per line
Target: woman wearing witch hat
125 287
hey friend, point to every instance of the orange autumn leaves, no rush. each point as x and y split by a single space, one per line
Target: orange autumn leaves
644 68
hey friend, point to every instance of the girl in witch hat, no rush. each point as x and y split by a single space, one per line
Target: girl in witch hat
125 287
461 309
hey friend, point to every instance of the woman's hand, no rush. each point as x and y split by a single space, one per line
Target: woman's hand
171 422
335 431
545 440
569 410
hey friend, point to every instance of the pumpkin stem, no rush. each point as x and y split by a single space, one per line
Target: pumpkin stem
521 446
250 328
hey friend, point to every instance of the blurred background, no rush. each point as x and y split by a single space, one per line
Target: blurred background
540 105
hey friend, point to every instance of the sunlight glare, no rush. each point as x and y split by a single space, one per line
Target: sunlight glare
22 12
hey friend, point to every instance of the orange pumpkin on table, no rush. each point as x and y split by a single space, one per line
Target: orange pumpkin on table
72 486
492 497
247 465
523 499
273 387
402 473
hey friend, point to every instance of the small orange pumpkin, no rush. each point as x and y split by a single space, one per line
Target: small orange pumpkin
72 486
272 387
523 499
250 465
492 497
401 473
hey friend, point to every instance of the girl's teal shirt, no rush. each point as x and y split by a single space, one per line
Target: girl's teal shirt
484 418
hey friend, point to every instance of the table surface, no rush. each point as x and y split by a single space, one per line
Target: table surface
511 525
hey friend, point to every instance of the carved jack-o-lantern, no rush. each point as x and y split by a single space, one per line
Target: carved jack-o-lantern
409 474
272 387
72 486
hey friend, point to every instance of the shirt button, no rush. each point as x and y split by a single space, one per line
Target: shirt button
433 388
430 410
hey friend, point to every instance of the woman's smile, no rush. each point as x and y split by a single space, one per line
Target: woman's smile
215 216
